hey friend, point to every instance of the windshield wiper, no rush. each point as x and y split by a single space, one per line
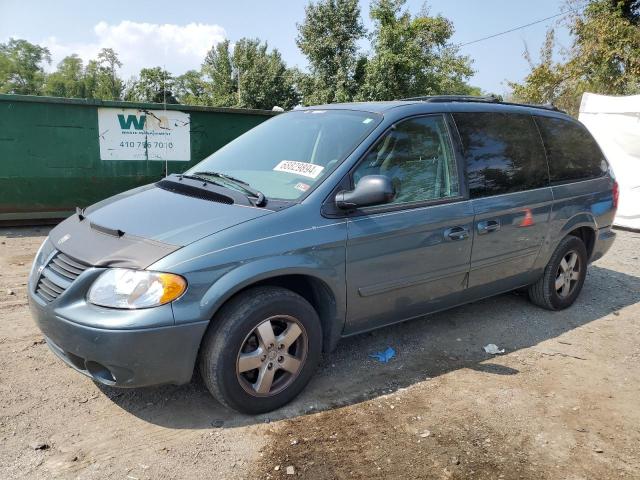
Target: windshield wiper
260 201
197 177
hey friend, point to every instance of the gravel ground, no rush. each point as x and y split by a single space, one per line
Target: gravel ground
562 402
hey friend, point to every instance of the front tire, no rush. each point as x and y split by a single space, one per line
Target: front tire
563 276
261 349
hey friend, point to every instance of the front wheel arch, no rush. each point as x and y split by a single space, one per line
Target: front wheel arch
328 303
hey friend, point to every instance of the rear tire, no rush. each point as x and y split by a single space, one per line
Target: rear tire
563 276
261 349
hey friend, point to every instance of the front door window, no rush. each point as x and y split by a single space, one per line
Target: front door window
417 156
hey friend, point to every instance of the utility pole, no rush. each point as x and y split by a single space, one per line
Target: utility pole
238 86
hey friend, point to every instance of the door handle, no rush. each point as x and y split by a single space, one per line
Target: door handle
456 233
488 226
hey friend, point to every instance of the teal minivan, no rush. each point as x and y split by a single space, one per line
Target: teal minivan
318 224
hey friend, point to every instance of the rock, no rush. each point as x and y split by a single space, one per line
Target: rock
291 470
425 434
294 442
276 468
598 450
39 445
10 292
455 460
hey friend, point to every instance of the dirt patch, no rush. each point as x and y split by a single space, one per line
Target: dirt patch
551 416
562 402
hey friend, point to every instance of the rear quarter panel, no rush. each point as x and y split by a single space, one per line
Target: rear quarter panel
588 203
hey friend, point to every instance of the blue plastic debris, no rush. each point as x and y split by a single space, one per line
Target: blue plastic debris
385 356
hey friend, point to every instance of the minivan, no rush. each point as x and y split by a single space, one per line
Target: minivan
318 224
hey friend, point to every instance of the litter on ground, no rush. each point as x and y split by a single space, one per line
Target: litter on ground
385 356
493 349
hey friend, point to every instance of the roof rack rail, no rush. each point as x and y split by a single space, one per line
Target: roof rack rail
479 99
456 98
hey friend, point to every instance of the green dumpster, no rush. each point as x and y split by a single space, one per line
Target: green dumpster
57 153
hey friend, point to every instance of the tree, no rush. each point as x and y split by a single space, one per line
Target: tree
606 52
68 80
412 56
190 89
220 86
92 78
153 85
250 76
110 86
604 56
21 70
329 38
101 76
545 84
261 76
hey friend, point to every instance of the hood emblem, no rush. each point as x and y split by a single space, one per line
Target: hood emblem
64 239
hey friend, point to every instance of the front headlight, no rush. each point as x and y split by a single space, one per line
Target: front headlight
124 288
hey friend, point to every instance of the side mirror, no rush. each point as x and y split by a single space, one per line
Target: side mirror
370 190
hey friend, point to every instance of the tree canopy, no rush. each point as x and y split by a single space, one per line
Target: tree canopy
409 55
21 67
412 55
249 76
153 85
405 54
68 80
329 37
604 56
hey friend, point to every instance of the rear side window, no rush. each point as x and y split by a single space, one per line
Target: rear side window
503 153
573 154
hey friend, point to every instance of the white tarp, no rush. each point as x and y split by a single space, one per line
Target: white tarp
615 124
141 134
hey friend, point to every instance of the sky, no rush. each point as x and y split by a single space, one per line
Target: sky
178 34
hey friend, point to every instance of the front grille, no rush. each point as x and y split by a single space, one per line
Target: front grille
58 275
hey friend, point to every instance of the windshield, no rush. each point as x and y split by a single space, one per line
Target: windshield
290 153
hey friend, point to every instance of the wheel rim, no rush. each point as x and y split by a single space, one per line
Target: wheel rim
568 274
272 356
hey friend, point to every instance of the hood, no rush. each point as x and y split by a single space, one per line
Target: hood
168 217
137 228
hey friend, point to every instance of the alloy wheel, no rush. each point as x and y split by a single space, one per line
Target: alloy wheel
272 356
568 274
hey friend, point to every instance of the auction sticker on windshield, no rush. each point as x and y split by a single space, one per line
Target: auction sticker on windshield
299 168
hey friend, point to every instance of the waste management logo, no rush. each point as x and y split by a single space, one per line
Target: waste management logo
140 134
